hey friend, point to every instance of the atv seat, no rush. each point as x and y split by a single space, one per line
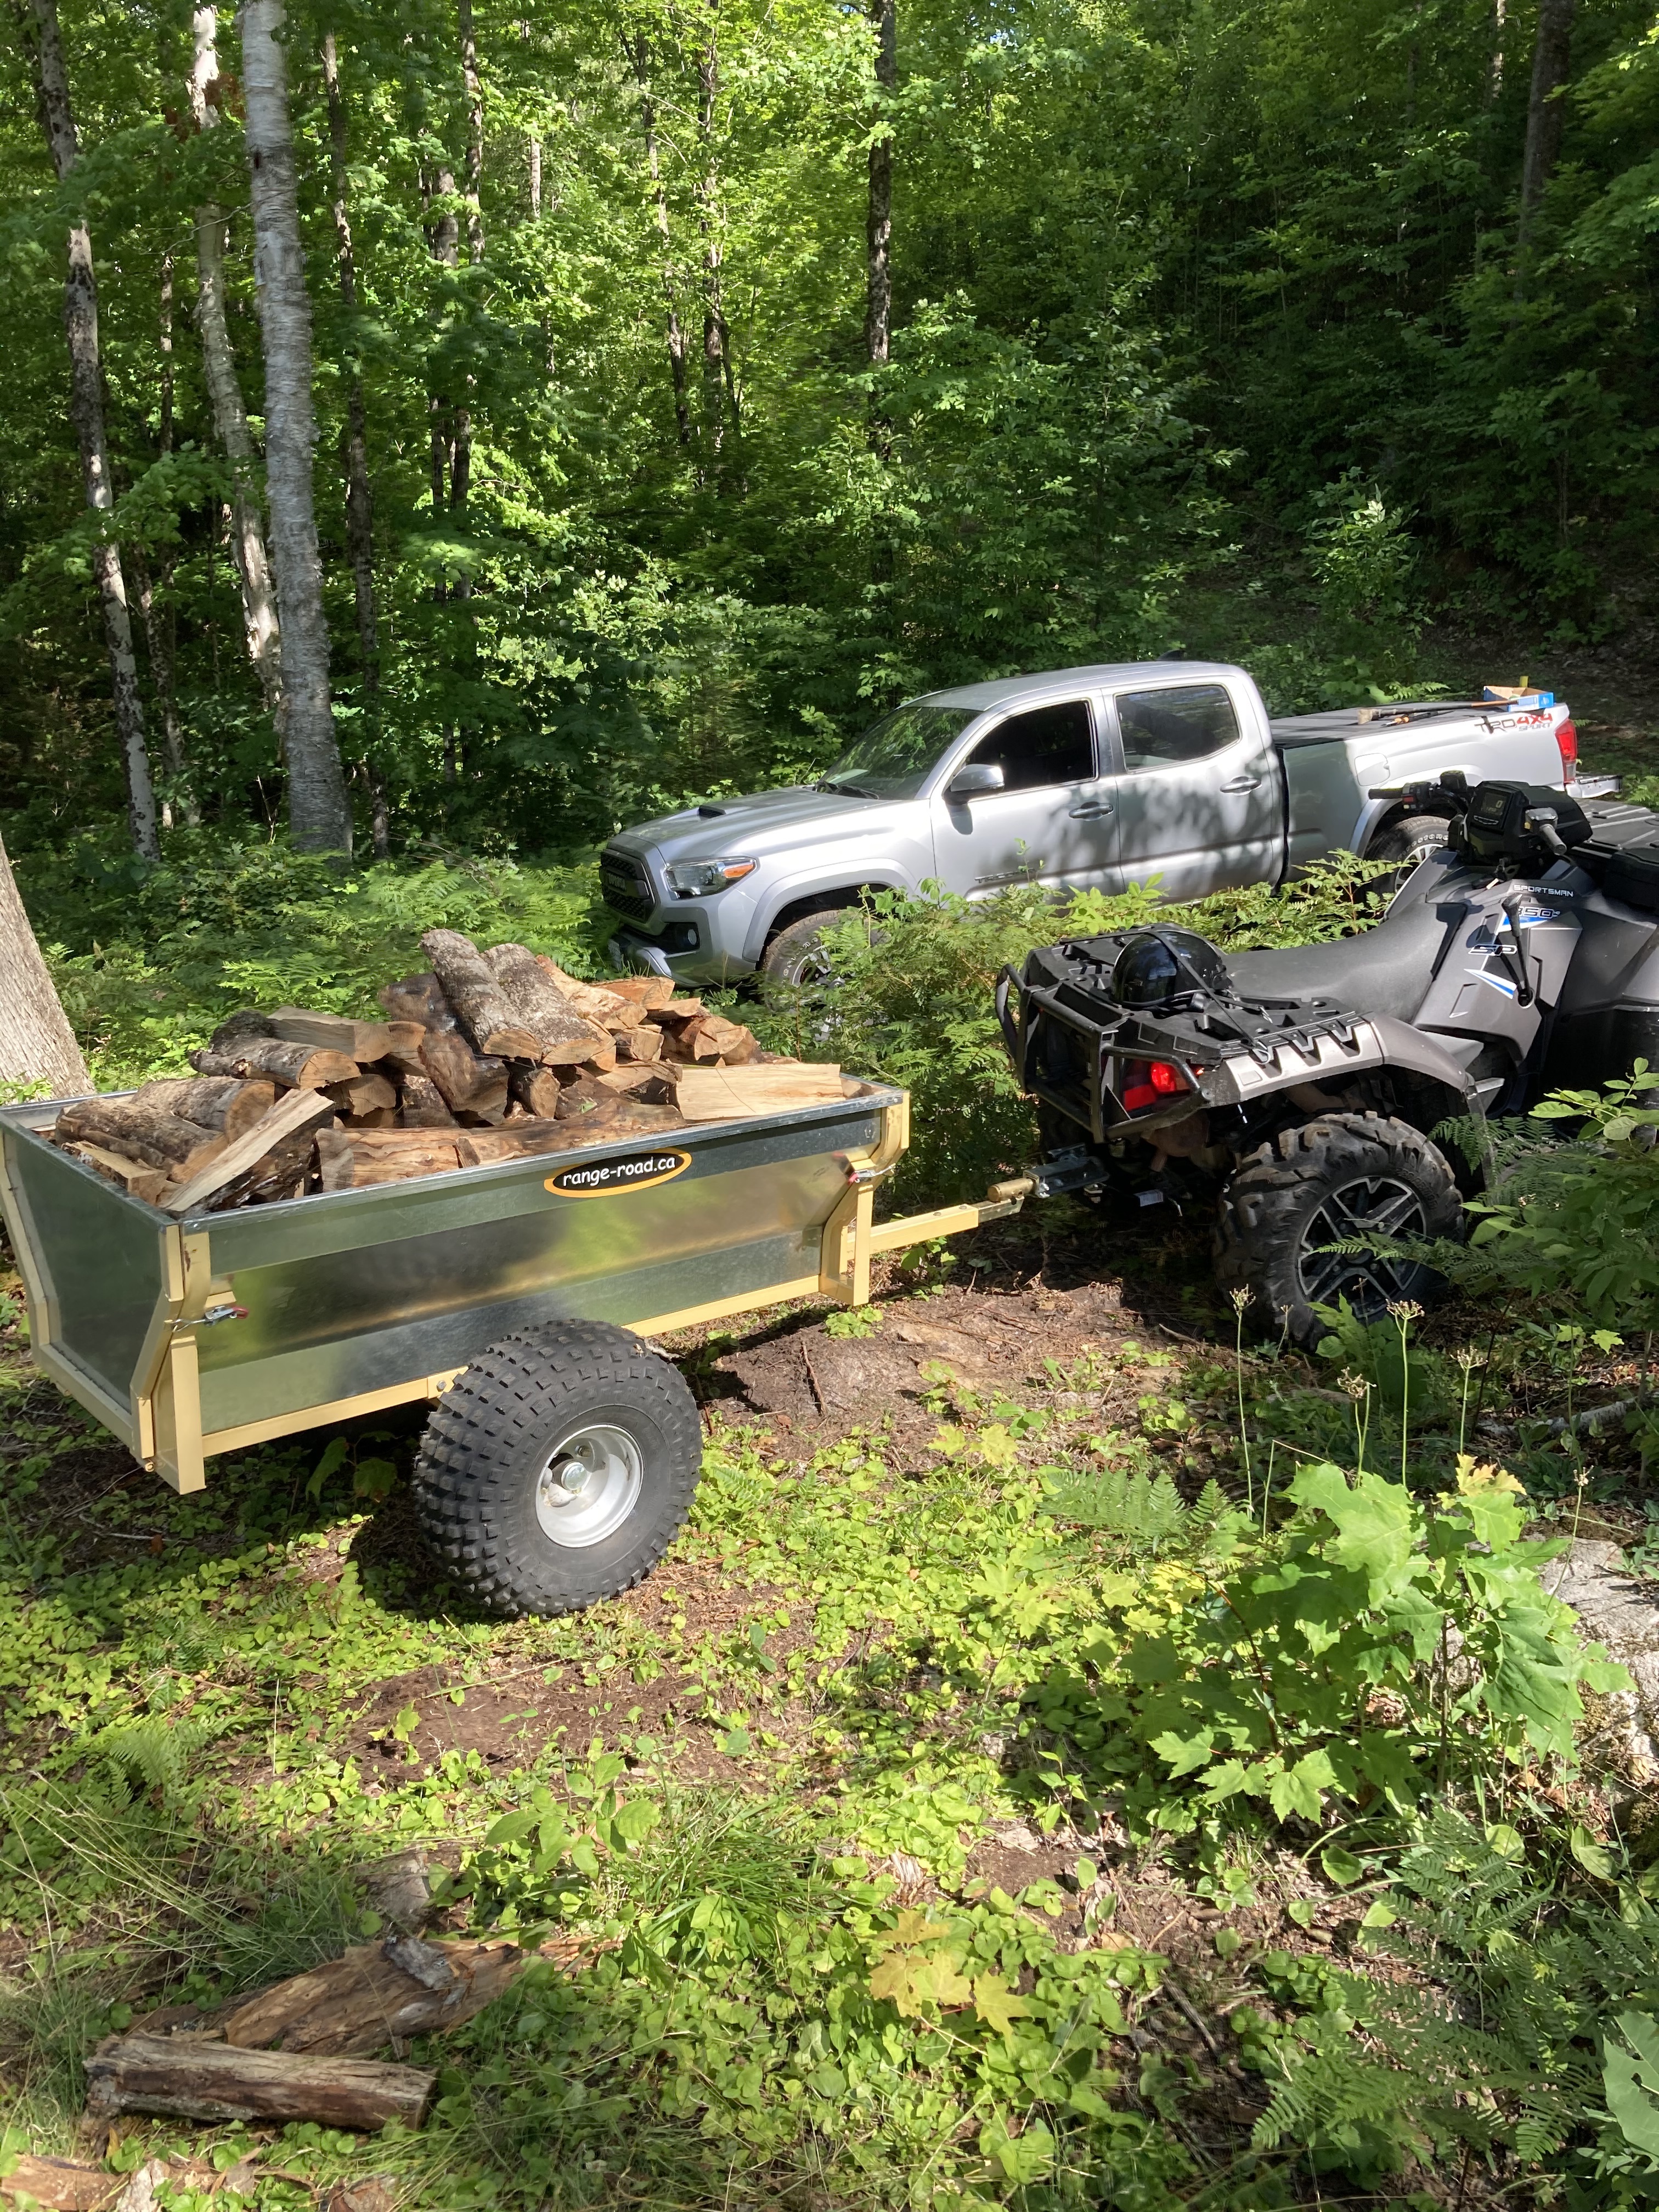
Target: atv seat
1385 971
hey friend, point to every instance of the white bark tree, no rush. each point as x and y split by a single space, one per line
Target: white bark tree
37 1044
319 813
247 536
86 412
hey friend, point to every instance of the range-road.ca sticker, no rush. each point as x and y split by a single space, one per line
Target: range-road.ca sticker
609 1178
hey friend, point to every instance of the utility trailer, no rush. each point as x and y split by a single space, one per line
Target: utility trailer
517 1299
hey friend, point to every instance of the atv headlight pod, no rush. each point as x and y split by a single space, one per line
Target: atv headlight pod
697 878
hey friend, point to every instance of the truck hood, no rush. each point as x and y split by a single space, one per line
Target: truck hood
761 823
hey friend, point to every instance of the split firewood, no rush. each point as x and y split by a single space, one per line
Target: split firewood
359 1040
528 1139
647 991
717 1094
363 1094
640 1044
690 1043
356 1159
732 1042
597 1000
188 2077
132 1176
404 1054
217 1102
486 1013
564 1035
469 1084
673 1014
586 1100
535 1089
296 1066
146 1134
417 998
648 1084
421 1104
599 1058
376 1994
262 1155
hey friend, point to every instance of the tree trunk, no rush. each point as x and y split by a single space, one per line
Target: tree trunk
165 435
37 1044
474 134
535 157
716 338
247 537
1495 75
320 814
1546 109
879 229
639 54
159 644
87 411
359 502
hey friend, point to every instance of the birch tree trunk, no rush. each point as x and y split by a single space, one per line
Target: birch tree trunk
37 1044
639 55
878 228
247 537
360 500
86 412
320 814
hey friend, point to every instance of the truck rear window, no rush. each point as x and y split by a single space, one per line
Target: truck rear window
1182 723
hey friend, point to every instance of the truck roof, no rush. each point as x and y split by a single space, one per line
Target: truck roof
1059 683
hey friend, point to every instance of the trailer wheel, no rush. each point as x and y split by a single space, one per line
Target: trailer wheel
558 1467
1324 1182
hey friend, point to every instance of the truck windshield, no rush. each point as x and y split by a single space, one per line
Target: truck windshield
893 756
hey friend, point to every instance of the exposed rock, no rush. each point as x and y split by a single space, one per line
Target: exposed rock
1619 1610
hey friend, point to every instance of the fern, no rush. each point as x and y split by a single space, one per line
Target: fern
1143 1511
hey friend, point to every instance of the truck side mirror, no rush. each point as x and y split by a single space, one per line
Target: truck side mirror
975 780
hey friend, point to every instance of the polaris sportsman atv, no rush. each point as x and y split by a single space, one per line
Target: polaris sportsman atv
1298 1090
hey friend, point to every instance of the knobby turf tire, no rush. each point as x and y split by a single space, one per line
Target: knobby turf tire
1279 1189
485 1447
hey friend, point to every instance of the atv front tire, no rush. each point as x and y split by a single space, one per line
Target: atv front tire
558 1467
1326 1182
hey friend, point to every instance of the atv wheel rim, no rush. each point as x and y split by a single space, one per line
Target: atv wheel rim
588 1486
1379 1207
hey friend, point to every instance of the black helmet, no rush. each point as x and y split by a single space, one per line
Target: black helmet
1156 965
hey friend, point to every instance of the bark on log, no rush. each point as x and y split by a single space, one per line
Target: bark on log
37 1044
378 1992
131 1176
485 1011
63 2185
421 1104
217 1101
417 998
246 1022
271 1154
468 1083
363 1042
296 1066
542 1007
188 2077
141 1133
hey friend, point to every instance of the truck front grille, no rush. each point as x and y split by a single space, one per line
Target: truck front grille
625 886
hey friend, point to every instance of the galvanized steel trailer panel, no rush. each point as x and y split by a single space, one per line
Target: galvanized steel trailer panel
221 1330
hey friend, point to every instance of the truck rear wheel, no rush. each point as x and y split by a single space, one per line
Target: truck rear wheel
558 1467
1324 1182
1407 842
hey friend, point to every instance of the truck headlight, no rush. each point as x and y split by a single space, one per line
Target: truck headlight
696 878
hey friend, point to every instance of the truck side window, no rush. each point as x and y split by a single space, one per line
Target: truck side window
1048 744
1182 724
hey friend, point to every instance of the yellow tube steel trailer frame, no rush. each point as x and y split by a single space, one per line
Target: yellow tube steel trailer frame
195 1337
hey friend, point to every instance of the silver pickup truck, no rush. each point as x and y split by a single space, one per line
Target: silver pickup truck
1098 777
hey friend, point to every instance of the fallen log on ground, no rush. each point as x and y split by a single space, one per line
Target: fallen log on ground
189 2077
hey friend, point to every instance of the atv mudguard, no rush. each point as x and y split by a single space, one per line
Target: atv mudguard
1241 1079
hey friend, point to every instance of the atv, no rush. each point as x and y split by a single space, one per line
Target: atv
1313 1095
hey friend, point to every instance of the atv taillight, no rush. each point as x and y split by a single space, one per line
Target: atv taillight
1566 738
1150 1082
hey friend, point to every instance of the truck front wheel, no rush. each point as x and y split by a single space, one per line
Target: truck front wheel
558 1467
1338 1180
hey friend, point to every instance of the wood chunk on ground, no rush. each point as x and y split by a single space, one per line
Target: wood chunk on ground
485 1011
378 1993
719 1094
62 2184
188 2077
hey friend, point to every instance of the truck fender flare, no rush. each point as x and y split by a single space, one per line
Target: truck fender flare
1376 813
822 884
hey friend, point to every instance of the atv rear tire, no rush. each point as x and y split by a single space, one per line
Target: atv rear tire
1324 1181
558 1467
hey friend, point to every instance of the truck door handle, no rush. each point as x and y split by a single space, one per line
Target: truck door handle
1242 783
1092 813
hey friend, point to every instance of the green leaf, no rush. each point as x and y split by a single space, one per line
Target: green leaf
1185 1754
1594 1857
1631 2083
1341 1867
